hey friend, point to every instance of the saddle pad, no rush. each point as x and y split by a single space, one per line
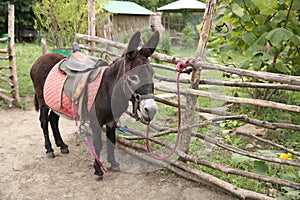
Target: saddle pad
56 98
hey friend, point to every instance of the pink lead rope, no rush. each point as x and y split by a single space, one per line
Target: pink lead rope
91 146
180 68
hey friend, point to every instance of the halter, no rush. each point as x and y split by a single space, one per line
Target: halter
135 97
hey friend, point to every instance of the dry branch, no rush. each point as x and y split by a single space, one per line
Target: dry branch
9 83
223 112
257 102
280 78
44 45
163 67
6 91
100 40
249 84
3 74
216 166
219 144
6 98
4 57
201 176
4 51
98 50
229 83
4 39
169 79
244 152
12 54
270 143
238 192
5 67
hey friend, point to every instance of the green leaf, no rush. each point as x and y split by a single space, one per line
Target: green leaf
267 153
295 39
278 35
260 167
237 158
245 65
236 9
257 61
266 7
246 18
261 29
249 38
282 67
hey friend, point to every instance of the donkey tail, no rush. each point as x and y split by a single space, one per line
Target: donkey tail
36 103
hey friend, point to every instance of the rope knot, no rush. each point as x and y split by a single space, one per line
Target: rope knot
182 65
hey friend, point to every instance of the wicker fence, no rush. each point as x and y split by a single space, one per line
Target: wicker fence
265 80
8 72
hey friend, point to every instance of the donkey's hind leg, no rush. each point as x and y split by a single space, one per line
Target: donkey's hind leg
54 118
44 110
111 136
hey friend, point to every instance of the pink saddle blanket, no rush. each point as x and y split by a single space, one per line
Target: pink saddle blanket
58 101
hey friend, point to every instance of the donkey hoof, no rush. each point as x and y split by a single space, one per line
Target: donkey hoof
99 178
64 150
99 175
50 155
114 167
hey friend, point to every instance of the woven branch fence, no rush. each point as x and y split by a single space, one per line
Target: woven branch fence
188 165
274 81
8 72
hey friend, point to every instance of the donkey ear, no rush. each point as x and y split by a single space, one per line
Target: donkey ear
133 45
148 49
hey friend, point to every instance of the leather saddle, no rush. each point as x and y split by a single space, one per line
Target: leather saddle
80 70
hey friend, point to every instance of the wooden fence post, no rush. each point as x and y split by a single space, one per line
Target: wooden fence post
12 54
192 99
91 22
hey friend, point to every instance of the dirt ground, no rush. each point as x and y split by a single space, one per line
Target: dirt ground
26 173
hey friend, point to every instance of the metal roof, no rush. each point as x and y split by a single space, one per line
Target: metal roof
183 5
126 7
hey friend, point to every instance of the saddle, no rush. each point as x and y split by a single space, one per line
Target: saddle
72 84
80 70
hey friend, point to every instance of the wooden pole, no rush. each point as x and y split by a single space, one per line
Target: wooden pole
12 55
44 45
91 22
192 99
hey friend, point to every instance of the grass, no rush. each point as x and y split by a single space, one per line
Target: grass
26 54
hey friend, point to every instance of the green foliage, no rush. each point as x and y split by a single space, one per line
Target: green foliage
266 32
165 43
23 14
186 40
61 19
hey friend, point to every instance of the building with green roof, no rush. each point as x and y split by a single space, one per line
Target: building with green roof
121 17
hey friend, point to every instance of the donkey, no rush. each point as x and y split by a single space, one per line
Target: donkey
127 78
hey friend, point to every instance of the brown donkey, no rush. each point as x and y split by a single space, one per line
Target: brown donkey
128 78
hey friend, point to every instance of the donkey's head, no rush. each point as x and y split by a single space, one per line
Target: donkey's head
138 78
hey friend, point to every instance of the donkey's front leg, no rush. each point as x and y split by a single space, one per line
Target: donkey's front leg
111 136
97 141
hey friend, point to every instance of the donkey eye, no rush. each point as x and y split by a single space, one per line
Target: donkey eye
134 78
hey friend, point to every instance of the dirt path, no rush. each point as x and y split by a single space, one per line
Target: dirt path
26 172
